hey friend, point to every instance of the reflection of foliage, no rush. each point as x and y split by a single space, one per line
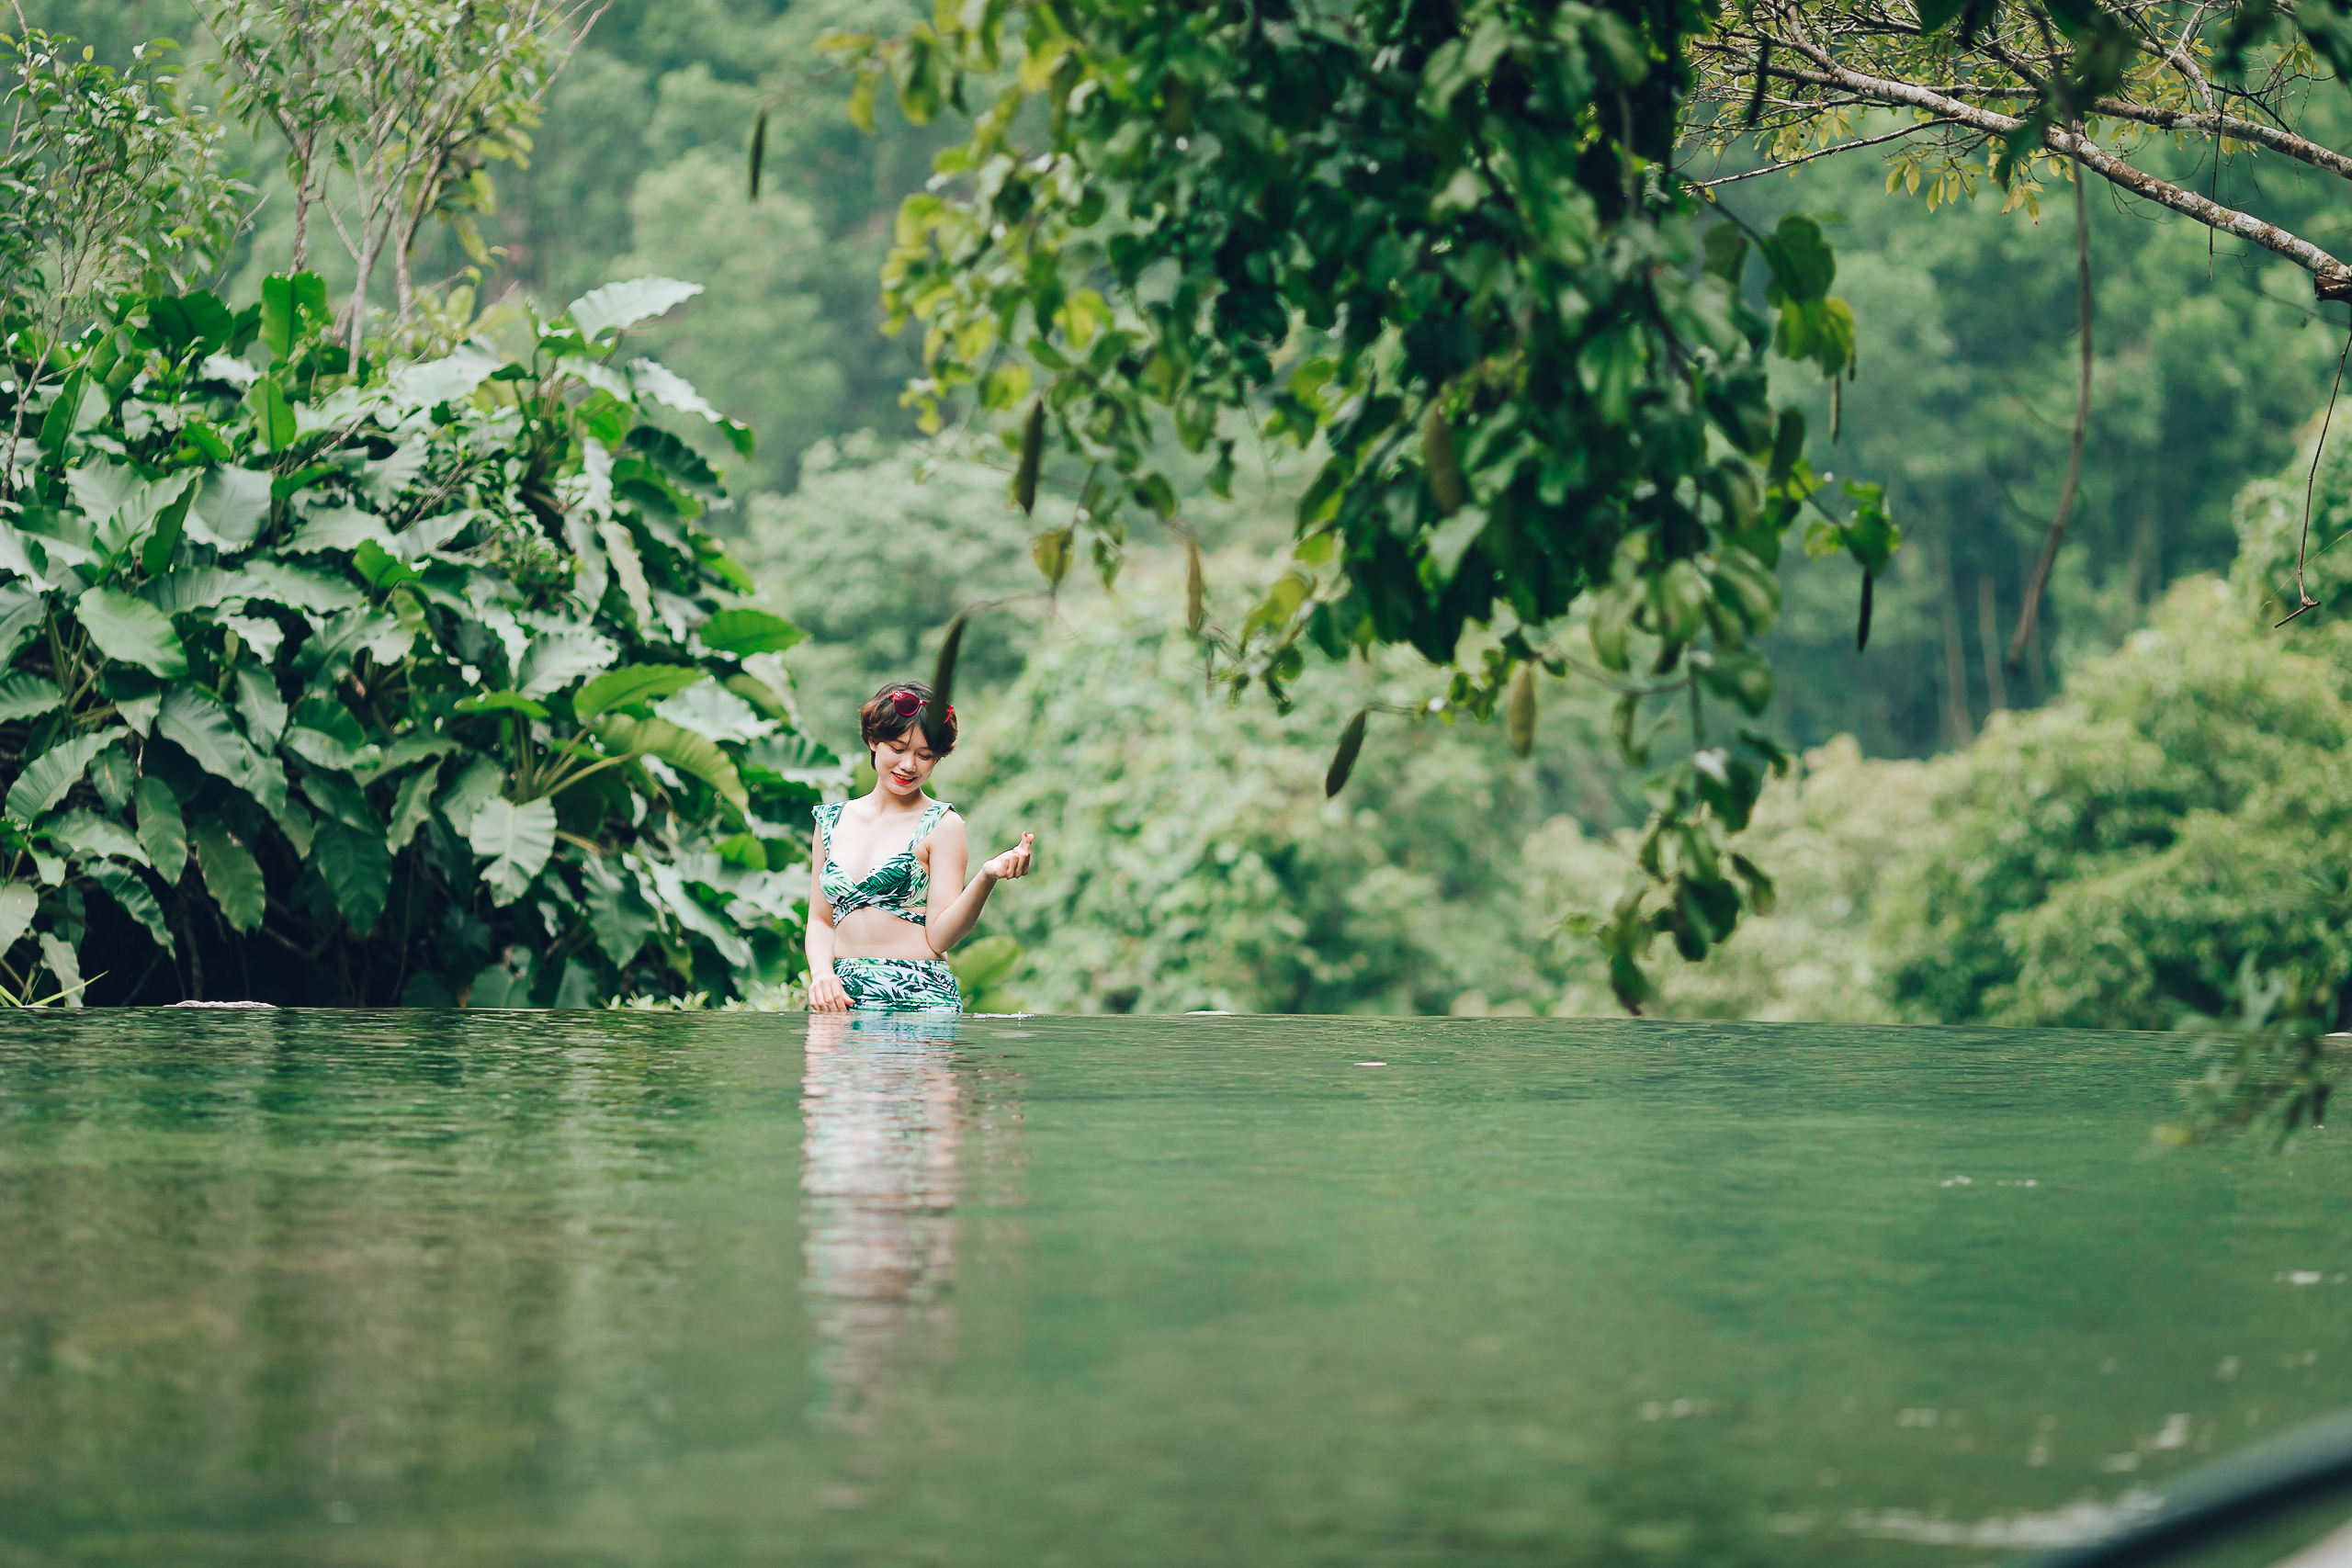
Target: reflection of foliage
427 679
2269 1070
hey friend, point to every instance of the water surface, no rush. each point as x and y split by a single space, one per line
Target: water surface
445 1289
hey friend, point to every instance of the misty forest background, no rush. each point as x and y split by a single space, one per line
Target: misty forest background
2135 828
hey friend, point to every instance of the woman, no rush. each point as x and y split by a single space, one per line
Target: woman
886 894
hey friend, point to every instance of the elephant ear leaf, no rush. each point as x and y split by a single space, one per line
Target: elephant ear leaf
749 631
516 841
357 869
231 874
629 685
617 306
44 783
131 631
681 748
162 832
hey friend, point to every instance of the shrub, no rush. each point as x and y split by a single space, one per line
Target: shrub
356 684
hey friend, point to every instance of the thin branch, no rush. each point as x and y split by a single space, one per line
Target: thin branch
2082 427
1817 153
2332 274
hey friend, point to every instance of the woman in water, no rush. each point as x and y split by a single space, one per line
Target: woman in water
886 895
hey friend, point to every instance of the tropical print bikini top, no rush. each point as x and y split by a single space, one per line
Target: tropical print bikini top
898 884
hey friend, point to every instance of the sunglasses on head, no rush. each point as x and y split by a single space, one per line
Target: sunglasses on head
906 705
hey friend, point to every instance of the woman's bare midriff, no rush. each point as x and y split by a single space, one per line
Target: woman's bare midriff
875 933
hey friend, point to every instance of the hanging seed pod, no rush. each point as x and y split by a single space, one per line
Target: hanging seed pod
759 150
1343 761
1519 711
1837 409
1437 456
1032 457
1196 589
1862 629
942 681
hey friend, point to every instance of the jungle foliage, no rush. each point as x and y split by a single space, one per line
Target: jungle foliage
357 680
1525 389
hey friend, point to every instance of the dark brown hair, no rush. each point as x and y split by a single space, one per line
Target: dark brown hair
880 719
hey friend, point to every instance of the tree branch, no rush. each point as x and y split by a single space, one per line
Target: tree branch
2334 279
1816 153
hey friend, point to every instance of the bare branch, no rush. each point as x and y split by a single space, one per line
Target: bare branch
1819 152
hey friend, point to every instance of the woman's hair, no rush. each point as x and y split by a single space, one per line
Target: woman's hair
889 713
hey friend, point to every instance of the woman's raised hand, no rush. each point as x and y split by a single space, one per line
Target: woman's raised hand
825 993
1014 861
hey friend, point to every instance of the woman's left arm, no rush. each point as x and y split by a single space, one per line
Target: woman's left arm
955 906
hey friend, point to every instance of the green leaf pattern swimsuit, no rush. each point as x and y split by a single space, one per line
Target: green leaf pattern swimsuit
901 885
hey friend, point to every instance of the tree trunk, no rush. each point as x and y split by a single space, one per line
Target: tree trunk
1956 721
1989 638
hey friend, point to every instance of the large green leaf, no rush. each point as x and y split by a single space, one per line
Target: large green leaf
338 528
194 588
410 807
29 695
618 913
357 870
23 607
445 380
66 966
19 900
680 747
343 799
91 836
558 659
231 507
259 704
122 886
299 588
516 839
749 631
131 631
631 684
162 832
202 728
620 305
231 874
47 778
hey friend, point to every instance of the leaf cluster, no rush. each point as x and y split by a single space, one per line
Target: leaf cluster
1439 247
428 677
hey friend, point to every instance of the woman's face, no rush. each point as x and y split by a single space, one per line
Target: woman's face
905 763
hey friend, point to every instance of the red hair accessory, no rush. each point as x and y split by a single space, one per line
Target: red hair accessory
906 703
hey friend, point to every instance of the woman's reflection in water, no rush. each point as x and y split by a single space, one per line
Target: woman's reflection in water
886 1114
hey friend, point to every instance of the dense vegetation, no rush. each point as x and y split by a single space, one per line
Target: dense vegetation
351 659
2160 876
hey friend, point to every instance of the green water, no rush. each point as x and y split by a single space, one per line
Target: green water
508 1289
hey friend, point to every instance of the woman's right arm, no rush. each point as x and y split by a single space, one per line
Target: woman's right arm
825 993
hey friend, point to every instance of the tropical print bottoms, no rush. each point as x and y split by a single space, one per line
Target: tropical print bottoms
898 984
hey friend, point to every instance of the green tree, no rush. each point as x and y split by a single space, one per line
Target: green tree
1447 247
1962 402
1190 861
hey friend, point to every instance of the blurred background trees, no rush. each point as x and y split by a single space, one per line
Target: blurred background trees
2146 834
